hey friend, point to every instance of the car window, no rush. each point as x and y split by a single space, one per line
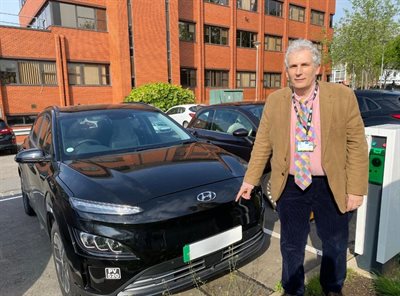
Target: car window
228 121
172 111
44 130
100 132
203 120
36 129
362 105
371 105
2 124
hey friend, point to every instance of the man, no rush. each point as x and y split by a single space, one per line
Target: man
314 135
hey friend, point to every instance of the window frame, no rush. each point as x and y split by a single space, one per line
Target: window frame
81 74
187 25
239 37
317 14
208 38
41 73
218 2
268 78
275 38
189 71
253 6
267 8
252 81
302 17
209 81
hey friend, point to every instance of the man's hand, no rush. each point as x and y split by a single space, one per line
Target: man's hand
244 191
354 202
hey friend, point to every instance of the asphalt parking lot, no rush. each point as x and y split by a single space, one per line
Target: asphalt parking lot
28 268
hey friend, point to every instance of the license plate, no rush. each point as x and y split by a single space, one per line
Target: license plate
212 244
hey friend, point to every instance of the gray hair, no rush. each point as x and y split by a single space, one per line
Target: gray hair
303 44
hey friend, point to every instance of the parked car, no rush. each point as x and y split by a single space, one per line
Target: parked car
379 106
8 141
183 114
233 127
131 210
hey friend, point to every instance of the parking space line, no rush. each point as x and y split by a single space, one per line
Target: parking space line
10 198
278 236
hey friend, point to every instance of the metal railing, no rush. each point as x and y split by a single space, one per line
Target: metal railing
13 20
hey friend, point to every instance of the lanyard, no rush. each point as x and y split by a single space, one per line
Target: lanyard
310 113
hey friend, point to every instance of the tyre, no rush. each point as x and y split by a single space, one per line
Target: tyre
185 124
61 263
27 206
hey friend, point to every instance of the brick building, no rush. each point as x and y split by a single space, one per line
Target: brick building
94 51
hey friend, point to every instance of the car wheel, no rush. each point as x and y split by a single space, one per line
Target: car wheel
27 206
185 124
61 262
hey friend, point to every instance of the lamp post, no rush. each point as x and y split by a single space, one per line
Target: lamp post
257 45
383 57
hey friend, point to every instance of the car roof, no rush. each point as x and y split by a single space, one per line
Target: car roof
238 104
80 108
377 93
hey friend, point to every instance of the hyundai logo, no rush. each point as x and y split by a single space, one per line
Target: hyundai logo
206 196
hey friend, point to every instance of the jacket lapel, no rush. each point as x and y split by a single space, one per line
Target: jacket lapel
286 111
326 108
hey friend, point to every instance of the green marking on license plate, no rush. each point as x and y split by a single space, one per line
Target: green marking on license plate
211 244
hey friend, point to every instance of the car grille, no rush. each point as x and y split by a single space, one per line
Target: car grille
156 283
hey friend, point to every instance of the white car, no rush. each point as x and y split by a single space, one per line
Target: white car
183 114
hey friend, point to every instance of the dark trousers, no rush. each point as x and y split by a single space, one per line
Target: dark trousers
294 208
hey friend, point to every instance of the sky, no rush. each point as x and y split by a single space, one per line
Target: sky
12 7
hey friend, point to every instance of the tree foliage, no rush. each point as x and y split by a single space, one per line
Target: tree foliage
361 38
161 95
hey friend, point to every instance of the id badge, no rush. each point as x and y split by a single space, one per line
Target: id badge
305 146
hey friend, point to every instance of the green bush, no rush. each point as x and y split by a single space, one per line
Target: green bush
388 285
161 95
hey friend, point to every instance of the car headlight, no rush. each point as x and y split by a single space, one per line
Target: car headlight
103 207
98 244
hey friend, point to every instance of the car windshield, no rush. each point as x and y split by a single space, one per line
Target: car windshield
100 132
195 108
256 110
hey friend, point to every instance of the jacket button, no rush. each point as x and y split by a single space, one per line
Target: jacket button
284 159
283 174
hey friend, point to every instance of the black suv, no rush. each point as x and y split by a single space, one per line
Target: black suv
7 138
134 204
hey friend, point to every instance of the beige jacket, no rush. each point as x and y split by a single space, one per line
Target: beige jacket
344 147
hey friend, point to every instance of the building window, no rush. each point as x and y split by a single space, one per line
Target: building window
76 16
273 43
187 31
215 35
28 72
318 45
291 40
88 74
250 5
317 18
245 39
220 2
296 13
331 21
188 77
328 78
21 119
319 77
245 79
273 7
217 78
272 80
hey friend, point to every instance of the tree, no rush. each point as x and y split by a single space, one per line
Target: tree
161 95
361 36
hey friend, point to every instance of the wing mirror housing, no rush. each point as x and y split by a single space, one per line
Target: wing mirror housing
33 155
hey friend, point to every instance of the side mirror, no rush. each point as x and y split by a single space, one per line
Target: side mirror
241 133
33 155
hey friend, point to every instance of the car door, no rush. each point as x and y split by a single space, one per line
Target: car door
370 111
41 170
217 125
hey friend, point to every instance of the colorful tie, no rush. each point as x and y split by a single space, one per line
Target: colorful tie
302 158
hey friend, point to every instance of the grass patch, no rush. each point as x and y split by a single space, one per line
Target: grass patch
388 285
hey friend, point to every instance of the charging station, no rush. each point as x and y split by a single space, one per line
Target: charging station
377 238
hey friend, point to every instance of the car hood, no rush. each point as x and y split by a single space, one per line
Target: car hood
133 178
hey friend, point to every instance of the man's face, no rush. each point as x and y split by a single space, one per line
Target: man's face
301 71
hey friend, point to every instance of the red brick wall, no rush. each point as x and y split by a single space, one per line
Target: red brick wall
82 95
